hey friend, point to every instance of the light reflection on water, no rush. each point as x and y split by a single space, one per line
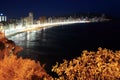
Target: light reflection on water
31 41
25 38
37 45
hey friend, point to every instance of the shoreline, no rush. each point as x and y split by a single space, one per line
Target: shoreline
45 26
25 30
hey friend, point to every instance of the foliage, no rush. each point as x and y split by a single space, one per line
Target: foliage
13 68
101 65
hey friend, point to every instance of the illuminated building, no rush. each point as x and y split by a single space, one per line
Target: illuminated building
27 21
3 18
30 18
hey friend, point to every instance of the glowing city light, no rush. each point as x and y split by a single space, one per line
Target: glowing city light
27 24
1 14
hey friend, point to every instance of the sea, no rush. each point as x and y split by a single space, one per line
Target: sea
54 44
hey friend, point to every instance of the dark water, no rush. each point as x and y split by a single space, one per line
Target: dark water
66 42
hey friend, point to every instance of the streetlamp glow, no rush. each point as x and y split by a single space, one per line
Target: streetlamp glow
1 14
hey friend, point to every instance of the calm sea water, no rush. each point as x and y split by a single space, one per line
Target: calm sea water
66 42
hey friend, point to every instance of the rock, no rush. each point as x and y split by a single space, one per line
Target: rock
8 47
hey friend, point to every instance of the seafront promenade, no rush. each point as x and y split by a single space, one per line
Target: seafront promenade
19 29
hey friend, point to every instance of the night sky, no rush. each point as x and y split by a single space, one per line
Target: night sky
21 8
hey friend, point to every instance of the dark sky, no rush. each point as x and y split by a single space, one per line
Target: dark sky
21 8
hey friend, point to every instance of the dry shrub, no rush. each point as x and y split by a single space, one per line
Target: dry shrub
13 68
101 65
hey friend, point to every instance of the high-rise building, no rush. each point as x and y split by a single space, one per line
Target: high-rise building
3 18
30 18
27 21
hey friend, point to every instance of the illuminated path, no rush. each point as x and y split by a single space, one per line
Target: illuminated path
19 28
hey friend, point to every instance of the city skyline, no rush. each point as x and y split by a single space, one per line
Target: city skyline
17 9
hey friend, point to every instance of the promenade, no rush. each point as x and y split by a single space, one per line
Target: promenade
19 29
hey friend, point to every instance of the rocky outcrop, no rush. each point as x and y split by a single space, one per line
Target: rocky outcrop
8 47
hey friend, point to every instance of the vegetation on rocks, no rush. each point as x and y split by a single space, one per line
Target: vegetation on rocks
13 68
101 65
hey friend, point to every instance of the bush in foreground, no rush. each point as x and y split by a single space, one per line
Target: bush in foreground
101 65
13 68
